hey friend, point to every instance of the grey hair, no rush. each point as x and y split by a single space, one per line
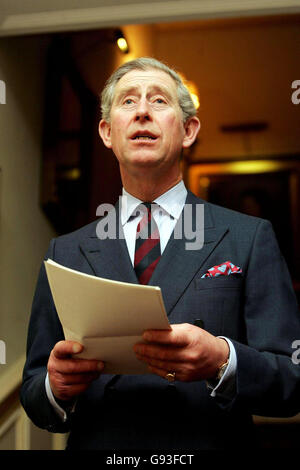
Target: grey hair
146 63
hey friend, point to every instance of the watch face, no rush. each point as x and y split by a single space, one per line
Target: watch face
222 370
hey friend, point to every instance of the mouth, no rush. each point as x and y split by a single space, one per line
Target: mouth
144 136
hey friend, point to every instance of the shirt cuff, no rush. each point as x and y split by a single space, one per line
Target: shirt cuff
225 388
58 409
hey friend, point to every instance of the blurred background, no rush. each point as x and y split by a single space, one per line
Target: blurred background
241 64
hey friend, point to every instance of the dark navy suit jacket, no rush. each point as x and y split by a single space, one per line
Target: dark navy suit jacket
257 310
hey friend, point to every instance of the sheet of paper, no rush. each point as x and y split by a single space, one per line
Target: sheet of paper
107 317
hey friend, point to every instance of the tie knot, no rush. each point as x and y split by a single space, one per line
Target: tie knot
148 205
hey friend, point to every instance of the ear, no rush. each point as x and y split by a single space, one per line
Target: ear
191 128
105 133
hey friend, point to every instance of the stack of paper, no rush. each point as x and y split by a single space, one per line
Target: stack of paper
106 317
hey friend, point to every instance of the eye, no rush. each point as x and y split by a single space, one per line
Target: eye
128 101
159 100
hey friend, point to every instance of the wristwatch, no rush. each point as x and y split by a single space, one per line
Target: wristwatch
221 370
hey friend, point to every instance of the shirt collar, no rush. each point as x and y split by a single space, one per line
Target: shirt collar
172 201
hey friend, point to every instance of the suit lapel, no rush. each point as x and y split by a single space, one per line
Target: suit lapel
178 266
109 258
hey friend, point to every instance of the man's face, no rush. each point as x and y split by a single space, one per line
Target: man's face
146 127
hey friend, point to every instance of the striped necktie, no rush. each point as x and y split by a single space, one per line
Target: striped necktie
147 246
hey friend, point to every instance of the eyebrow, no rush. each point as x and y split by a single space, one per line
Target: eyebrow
152 89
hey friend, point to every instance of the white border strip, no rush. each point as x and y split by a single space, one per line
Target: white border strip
144 12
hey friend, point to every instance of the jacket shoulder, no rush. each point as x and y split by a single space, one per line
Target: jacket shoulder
222 215
232 216
88 230
66 247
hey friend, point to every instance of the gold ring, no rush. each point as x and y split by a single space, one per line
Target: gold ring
170 376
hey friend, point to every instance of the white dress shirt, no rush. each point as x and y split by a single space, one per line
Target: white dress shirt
166 213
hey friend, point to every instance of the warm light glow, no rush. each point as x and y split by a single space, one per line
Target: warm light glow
198 173
122 44
204 182
192 88
71 174
255 166
195 100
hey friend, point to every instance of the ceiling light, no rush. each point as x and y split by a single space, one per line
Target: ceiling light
121 41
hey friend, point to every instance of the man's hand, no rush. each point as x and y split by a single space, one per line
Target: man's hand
70 377
189 351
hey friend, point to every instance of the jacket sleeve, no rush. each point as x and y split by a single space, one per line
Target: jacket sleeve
267 379
44 332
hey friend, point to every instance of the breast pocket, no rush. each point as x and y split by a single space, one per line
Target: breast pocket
225 282
221 301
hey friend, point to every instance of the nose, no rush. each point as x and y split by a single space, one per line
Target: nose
143 111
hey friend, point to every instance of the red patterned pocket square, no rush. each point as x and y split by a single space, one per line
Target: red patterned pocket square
223 269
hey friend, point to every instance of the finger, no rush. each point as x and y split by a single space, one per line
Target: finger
77 366
178 336
158 364
164 353
67 392
77 379
64 349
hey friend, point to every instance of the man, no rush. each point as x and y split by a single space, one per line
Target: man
231 305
